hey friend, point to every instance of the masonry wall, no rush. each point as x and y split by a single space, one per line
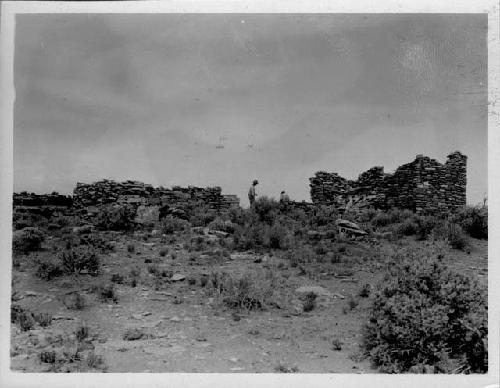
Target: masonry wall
424 186
138 193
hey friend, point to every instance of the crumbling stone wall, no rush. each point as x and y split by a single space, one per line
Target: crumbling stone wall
31 199
424 186
138 193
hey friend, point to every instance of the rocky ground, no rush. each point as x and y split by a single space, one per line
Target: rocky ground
173 322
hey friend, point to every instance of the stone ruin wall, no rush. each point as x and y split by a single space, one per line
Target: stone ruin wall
138 193
424 186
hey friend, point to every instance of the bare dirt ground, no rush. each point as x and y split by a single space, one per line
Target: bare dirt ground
187 328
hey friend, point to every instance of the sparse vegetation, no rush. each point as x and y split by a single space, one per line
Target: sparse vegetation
27 240
245 268
424 313
171 224
105 291
116 217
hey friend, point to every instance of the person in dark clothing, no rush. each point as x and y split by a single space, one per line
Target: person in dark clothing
252 194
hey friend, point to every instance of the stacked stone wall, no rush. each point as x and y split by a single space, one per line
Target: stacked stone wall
424 186
138 193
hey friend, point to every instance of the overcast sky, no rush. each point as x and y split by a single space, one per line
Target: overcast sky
221 99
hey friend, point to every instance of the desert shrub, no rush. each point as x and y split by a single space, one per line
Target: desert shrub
116 217
22 316
82 333
171 224
250 236
27 240
324 216
452 233
225 226
309 301
249 291
266 209
48 268
392 216
202 215
473 220
43 319
96 242
163 251
117 278
154 269
77 301
408 227
364 292
282 368
76 260
130 248
277 237
95 361
105 292
424 314
26 320
337 343
425 226
48 356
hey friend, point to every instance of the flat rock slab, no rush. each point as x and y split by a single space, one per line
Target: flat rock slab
177 277
319 291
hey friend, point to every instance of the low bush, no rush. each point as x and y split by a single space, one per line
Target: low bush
43 319
77 260
220 224
95 361
22 316
451 233
48 356
116 217
82 333
250 236
266 209
105 292
117 278
171 224
277 237
202 215
309 301
27 240
423 313
473 220
48 268
249 291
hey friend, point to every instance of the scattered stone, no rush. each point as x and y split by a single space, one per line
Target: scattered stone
338 295
237 368
147 313
234 359
175 319
177 277
31 293
133 335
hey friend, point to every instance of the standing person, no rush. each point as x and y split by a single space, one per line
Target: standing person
252 194
284 198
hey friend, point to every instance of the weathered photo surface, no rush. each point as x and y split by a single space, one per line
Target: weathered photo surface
256 193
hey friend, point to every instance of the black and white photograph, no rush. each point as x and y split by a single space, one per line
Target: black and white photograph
249 193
